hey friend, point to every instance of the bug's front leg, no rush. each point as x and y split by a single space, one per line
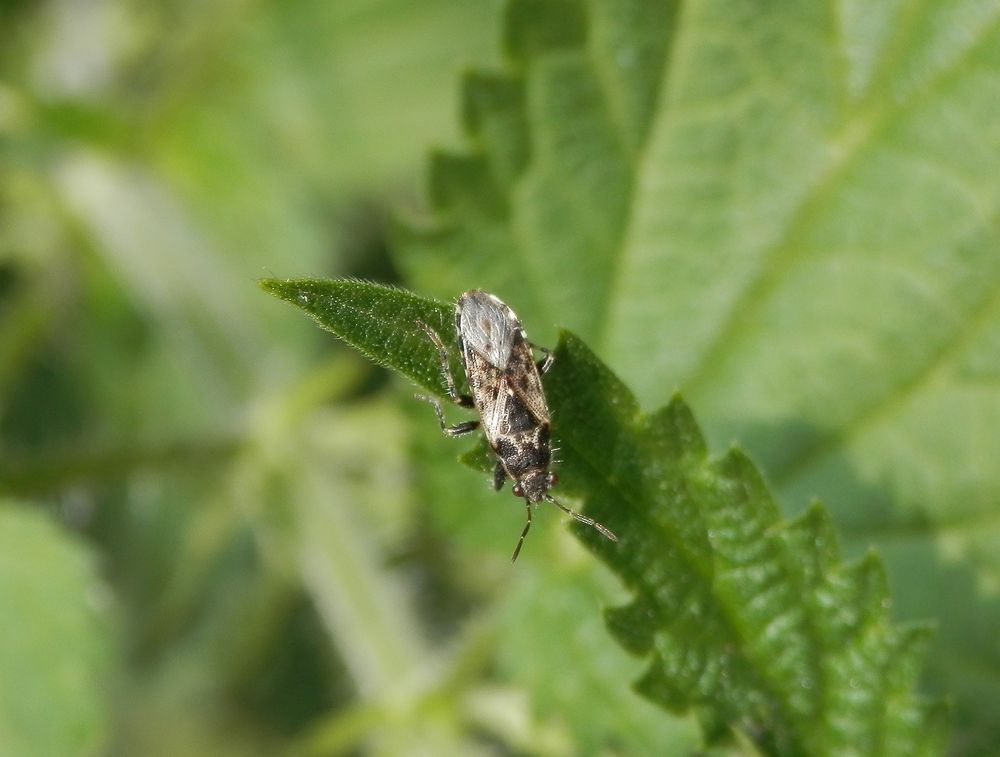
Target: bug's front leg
463 400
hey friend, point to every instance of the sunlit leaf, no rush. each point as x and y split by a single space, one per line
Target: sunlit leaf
755 622
789 212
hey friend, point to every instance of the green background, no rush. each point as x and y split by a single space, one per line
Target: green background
222 532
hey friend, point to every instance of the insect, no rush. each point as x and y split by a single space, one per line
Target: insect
507 393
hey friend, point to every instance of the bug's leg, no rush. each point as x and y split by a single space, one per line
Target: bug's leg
499 476
463 400
458 429
604 530
517 549
545 363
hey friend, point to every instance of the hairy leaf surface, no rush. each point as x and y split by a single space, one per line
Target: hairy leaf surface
754 621
789 212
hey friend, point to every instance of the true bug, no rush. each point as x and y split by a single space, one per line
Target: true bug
507 393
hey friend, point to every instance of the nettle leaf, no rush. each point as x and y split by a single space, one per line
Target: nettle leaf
378 321
790 212
751 620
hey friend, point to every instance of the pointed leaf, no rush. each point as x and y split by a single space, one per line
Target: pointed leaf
379 321
753 622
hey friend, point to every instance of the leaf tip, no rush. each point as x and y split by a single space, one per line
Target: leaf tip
270 285
289 290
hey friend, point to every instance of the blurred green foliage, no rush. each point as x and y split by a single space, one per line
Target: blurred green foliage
226 534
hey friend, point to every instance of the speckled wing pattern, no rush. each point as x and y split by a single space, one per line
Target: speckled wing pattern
505 383
487 326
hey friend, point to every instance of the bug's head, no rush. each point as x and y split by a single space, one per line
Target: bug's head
534 485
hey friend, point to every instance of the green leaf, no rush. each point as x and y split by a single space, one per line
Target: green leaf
379 321
54 647
790 213
754 622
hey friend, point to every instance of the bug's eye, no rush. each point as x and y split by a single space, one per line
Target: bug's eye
517 490
553 479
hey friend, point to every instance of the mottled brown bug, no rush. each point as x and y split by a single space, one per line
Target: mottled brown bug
506 387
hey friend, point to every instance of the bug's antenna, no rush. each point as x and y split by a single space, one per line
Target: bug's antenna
517 549
604 530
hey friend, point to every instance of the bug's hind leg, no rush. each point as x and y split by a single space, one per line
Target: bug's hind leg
458 429
463 400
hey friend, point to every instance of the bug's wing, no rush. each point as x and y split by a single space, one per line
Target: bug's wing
489 393
487 326
497 413
508 401
524 381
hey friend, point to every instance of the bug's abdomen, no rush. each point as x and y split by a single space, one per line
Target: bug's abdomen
524 451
